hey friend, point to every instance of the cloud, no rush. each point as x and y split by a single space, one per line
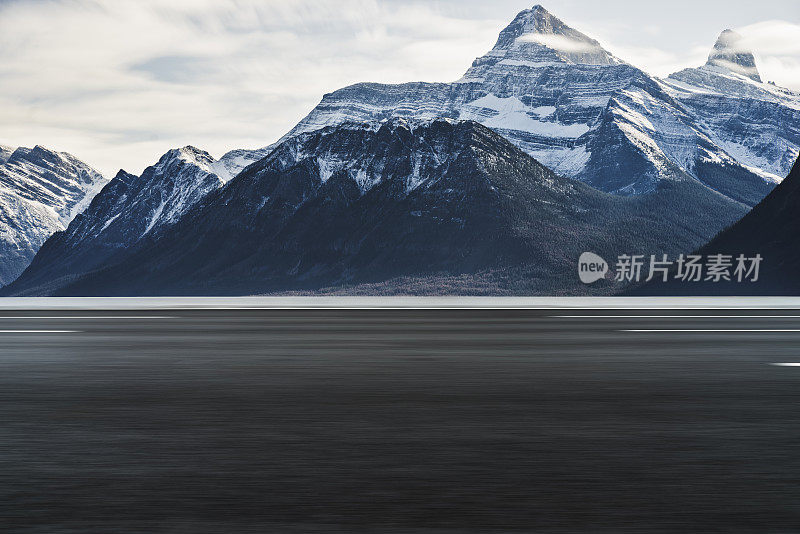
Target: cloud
777 49
118 82
772 38
785 69
562 43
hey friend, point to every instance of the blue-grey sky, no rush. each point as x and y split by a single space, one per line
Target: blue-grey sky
119 82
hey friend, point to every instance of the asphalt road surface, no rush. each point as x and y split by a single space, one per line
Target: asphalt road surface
399 421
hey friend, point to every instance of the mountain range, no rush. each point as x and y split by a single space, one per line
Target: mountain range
130 208
41 191
402 203
547 147
586 114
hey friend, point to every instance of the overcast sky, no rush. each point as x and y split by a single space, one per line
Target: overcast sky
120 82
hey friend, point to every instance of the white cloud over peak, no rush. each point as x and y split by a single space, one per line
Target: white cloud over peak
776 44
772 37
558 42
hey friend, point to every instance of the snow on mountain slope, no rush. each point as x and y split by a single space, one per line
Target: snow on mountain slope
558 95
130 208
41 191
179 179
757 123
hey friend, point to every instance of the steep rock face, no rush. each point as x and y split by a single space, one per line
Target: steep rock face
127 210
558 95
758 124
40 192
771 230
361 203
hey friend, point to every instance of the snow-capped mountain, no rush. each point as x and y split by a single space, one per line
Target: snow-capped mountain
128 209
131 207
40 192
558 95
421 206
757 123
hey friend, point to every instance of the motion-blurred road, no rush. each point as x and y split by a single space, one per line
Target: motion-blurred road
389 421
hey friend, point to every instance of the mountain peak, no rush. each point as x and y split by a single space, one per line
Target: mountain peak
539 20
192 153
187 154
537 32
125 177
536 20
731 54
